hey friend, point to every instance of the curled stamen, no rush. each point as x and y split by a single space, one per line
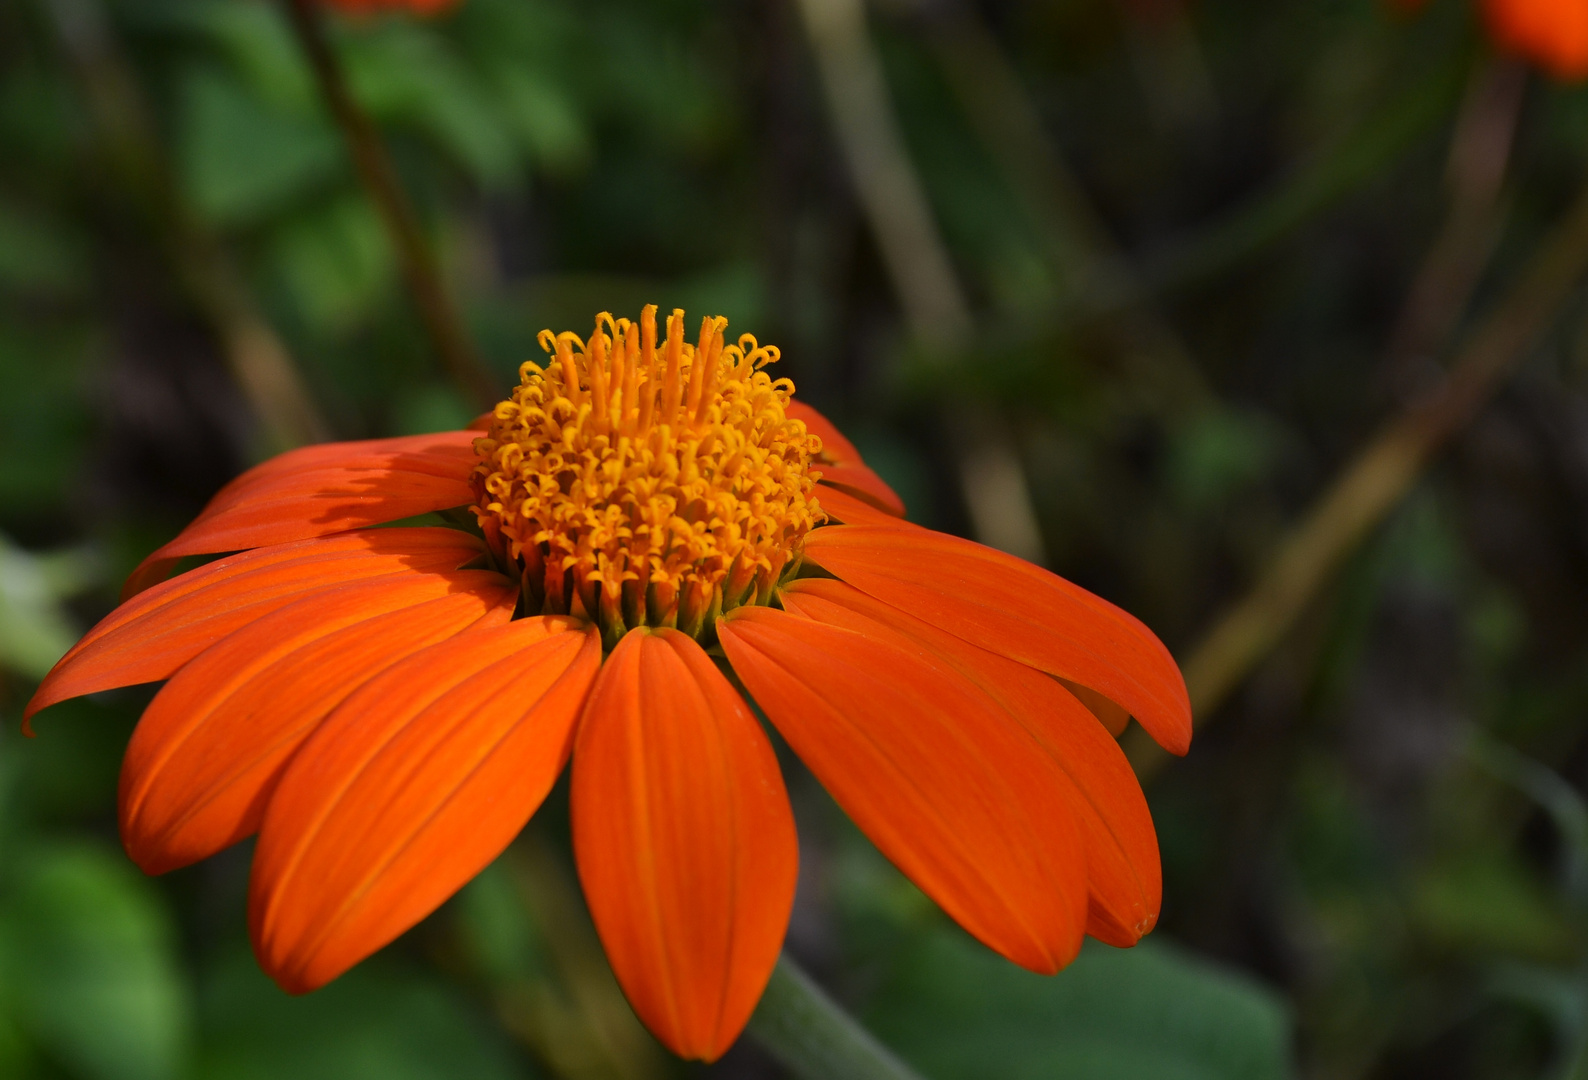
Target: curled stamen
634 487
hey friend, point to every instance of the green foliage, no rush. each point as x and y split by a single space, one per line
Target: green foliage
38 254
35 630
1220 454
243 160
88 970
336 262
44 418
376 1023
1154 1012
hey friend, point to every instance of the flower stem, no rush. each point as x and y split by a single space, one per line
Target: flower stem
451 341
813 1037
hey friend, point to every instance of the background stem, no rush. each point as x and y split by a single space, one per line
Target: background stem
813 1037
375 170
992 479
1376 480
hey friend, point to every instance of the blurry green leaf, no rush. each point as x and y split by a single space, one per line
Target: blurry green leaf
370 1024
1561 996
405 74
1553 793
545 118
336 262
526 50
430 407
14 1049
1219 452
68 771
39 113
37 254
737 290
1485 902
43 416
1496 624
495 927
89 966
664 82
254 37
34 629
242 159
1155 1012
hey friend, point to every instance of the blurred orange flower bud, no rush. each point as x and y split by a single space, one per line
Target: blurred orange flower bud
1551 33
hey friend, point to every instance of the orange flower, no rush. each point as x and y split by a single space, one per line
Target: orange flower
386 707
1551 33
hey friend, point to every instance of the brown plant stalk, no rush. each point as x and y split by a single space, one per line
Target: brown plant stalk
992 480
420 269
1380 475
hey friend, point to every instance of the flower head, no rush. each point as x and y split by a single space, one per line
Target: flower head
638 485
387 707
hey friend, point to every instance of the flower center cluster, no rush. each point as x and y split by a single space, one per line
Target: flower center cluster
637 484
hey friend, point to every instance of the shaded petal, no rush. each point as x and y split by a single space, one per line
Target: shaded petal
685 840
840 463
835 448
410 788
1018 610
319 490
942 779
151 636
1112 715
209 748
844 507
1122 868
863 484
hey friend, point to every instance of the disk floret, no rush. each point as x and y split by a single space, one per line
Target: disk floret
643 485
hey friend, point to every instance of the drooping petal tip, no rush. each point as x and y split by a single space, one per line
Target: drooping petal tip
685 840
948 785
1012 608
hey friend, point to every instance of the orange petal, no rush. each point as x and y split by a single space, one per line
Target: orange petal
209 748
319 490
863 484
410 788
840 505
1112 716
149 637
942 779
1122 868
840 463
685 840
1018 610
835 447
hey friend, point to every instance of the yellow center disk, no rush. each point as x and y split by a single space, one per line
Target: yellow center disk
638 485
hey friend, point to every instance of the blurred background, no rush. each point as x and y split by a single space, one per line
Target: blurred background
1261 318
